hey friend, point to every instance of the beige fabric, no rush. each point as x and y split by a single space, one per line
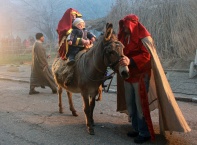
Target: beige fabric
152 94
171 117
40 72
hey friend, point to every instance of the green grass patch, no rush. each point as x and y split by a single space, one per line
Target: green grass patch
20 59
15 59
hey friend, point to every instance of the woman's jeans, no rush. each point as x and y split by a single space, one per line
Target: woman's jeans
134 107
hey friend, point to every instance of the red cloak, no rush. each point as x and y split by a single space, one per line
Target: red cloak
135 50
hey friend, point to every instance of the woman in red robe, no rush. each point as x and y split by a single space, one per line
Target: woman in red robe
136 93
64 29
138 59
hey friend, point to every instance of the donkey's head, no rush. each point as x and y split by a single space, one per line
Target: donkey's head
113 51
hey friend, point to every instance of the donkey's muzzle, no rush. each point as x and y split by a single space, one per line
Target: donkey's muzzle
124 72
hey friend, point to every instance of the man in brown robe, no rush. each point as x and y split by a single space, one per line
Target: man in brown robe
41 74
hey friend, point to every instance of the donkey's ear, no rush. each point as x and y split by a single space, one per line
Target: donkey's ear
109 30
109 25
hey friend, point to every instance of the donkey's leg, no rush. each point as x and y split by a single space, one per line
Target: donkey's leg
60 99
100 89
87 111
92 105
69 94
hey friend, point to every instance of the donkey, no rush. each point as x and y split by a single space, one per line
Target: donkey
89 72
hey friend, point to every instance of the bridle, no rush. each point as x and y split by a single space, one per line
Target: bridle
106 57
112 65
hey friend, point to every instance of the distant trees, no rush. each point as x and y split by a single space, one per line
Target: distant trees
44 15
39 14
172 23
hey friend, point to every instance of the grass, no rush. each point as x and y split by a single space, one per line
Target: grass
20 59
14 59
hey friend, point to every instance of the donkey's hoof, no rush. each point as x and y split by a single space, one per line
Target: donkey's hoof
74 113
91 131
61 111
98 99
93 123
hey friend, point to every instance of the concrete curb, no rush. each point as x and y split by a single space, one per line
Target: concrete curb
184 99
194 100
178 70
13 79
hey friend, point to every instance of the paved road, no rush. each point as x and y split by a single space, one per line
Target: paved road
183 87
34 119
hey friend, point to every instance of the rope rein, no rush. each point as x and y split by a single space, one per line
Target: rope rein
95 64
96 80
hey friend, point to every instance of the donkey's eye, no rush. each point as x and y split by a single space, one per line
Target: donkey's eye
109 51
112 52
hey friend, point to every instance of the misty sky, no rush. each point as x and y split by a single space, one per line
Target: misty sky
17 16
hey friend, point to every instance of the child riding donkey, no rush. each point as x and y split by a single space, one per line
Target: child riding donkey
64 29
78 40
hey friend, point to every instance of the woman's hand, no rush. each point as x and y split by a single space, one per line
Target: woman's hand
69 42
86 42
93 39
124 61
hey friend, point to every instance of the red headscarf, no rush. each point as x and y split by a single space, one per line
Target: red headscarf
64 25
66 22
137 29
133 43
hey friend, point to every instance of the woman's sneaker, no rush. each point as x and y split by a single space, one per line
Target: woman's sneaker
140 139
132 133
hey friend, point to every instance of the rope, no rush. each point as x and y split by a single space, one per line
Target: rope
102 79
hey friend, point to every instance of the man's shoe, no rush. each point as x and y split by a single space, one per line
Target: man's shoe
132 133
140 139
31 92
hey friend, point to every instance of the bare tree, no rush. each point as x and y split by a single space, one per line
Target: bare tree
40 15
118 10
172 23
